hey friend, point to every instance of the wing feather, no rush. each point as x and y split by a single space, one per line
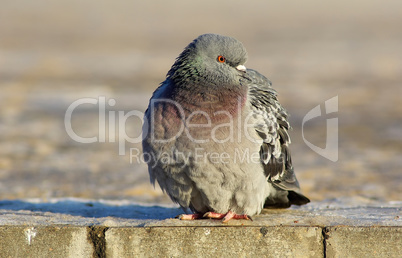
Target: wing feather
272 126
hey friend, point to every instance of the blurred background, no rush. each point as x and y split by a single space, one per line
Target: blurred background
53 53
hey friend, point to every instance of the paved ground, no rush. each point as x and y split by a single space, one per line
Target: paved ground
52 54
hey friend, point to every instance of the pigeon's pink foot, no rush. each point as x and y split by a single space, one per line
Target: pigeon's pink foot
189 216
226 217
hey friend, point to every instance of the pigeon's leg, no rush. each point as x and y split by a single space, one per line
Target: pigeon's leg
189 216
226 217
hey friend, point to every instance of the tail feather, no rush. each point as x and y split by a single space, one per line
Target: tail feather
293 197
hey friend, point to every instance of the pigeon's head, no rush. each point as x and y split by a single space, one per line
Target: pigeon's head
210 59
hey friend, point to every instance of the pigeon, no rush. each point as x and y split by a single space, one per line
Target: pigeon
215 136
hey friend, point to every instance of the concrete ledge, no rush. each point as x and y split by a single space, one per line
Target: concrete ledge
215 241
45 241
87 228
343 241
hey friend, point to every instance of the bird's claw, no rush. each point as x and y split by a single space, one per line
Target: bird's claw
226 217
189 216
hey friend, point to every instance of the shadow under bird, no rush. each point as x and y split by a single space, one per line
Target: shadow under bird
216 136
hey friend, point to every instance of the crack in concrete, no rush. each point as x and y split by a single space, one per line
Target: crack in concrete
325 234
96 235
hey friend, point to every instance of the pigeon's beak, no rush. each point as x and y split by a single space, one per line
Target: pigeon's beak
241 68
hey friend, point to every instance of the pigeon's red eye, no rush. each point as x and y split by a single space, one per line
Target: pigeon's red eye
221 59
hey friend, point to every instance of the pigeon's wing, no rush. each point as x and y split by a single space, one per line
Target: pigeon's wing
272 126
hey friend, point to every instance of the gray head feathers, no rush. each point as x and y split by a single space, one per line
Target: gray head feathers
210 59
